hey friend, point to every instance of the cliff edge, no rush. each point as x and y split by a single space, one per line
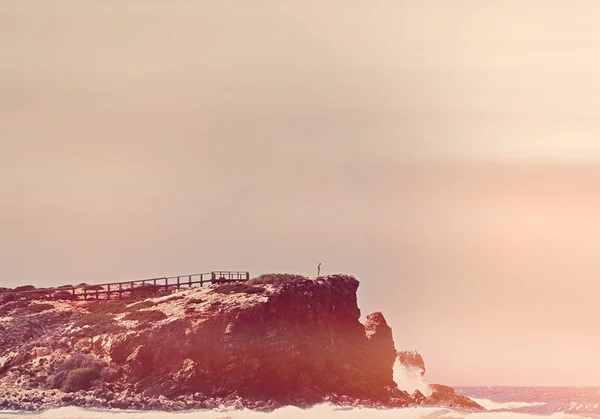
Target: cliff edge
271 341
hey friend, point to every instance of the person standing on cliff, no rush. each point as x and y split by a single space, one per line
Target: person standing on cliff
319 269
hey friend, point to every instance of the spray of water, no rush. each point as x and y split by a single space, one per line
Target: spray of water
410 379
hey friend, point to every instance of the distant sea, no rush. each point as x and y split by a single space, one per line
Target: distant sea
580 401
501 402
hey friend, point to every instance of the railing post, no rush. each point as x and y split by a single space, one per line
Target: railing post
108 295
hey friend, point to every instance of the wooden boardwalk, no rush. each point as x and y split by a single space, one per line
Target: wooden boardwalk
128 289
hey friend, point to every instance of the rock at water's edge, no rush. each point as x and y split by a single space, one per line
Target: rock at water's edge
412 360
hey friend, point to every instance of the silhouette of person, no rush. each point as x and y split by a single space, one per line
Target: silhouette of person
319 269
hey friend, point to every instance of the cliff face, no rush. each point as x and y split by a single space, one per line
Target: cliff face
267 341
278 339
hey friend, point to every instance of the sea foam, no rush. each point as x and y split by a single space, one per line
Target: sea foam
317 412
410 379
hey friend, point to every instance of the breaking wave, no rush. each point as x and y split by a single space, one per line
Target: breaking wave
492 405
410 379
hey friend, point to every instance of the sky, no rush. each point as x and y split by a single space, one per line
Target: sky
445 153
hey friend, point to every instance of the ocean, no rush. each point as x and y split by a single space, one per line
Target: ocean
579 401
501 402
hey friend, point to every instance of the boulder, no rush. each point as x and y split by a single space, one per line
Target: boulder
412 360
442 395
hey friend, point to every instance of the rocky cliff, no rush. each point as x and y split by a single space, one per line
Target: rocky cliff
272 341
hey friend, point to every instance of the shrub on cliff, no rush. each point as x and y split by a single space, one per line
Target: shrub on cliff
146 317
93 288
142 304
100 319
238 288
79 379
195 301
107 307
25 288
62 295
145 290
275 279
8 307
76 373
94 319
7 298
38 294
174 298
37 308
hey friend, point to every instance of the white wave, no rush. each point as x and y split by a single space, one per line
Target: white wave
410 379
317 412
492 405
583 407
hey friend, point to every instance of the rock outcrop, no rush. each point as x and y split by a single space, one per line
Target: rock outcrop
412 360
445 396
439 395
274 340
381 347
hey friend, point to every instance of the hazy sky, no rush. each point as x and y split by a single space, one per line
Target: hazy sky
445 153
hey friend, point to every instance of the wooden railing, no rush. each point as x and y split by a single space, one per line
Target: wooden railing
127 289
